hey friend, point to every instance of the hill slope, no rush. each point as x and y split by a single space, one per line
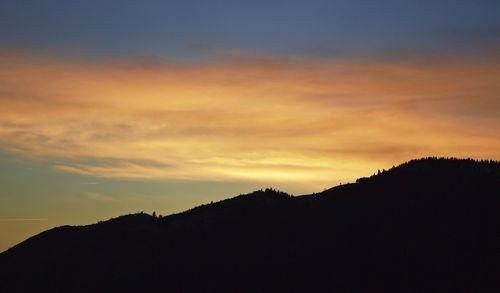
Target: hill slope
427 225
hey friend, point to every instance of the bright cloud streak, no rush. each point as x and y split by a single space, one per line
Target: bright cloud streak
283 120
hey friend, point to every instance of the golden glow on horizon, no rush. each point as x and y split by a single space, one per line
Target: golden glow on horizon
282 120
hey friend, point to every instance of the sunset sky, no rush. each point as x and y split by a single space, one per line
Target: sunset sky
115 107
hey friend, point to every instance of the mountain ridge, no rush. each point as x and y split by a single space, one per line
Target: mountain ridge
374 234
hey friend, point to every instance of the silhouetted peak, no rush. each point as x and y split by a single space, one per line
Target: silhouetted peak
437 166
131 218
451 163
269 193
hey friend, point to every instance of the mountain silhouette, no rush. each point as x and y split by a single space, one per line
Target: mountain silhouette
428 225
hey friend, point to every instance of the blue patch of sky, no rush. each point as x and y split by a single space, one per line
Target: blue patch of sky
190 29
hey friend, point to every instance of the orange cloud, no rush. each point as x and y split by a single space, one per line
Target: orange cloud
280 120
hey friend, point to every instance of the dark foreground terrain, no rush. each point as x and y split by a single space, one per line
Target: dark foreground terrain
429 225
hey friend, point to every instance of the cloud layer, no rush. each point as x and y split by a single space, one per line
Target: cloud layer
272 119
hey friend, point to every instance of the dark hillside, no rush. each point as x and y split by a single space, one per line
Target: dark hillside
426 225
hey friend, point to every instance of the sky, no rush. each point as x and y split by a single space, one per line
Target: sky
115 107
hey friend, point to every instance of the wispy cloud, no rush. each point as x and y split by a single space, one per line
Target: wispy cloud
23 219
96 196
100 197
247 118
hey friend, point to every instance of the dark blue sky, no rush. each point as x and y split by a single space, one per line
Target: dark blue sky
176 29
